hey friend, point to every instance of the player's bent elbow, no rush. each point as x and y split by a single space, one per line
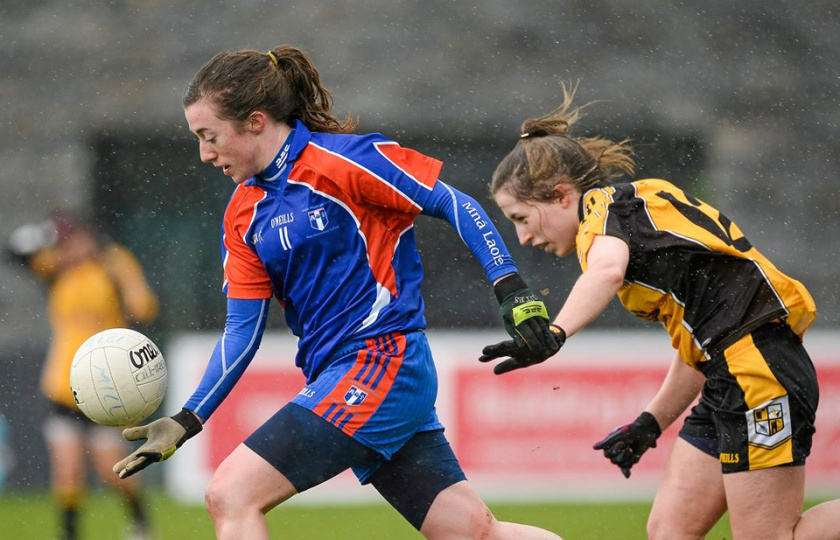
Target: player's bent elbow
611 278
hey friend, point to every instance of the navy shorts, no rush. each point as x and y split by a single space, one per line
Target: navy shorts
308 450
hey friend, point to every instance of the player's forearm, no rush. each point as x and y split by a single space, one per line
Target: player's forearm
605 267
677 393
474 227
590 295
232 355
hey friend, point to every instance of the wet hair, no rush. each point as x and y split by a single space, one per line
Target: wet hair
547 155
282 83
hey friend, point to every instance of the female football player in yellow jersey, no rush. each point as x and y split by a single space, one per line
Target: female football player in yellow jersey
735 320
92 287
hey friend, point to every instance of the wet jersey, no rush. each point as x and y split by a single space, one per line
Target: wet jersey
327 229
690 267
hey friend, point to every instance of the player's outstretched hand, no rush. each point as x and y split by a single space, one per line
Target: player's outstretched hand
163 437
519 356
525 317
625 445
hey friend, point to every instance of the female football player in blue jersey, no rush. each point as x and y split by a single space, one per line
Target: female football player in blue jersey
736 321
322 220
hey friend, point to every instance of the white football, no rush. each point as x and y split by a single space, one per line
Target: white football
118 377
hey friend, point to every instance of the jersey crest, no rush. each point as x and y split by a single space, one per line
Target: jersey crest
354 396
318 219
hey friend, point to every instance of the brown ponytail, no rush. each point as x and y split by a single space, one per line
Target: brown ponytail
547 155
283 83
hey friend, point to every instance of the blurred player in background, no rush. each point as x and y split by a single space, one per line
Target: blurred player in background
736 321
92 286
322 220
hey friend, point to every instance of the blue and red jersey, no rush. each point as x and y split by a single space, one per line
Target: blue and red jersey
327 230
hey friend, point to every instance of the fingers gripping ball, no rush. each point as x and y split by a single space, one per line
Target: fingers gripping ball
118 377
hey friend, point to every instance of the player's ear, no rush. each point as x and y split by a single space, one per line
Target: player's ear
256 122
562 191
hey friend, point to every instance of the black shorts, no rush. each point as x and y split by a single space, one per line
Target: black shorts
759 402
62 423
308 450
63 411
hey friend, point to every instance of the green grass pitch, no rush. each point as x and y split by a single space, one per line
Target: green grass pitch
31 516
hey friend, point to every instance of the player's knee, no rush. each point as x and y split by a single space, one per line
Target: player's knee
662 527
219 500
476 522
658 527
485 525
653 528
482 523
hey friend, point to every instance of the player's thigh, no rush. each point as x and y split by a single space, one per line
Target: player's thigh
65 439
691 498
244 480
765 504
306 449
415 478
107 447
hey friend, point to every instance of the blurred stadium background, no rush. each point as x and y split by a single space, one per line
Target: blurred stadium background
737 101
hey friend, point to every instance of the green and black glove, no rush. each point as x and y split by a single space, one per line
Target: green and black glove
517 356
524 314
526 320
162 436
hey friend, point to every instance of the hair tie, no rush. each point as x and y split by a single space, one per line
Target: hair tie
537 132
273 59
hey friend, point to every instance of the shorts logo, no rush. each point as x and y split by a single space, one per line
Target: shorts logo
318 219
354 396
769 423
727 457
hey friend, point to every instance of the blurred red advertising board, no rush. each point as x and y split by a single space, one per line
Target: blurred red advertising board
526 434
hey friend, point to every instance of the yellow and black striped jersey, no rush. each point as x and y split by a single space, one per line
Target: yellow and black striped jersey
690 267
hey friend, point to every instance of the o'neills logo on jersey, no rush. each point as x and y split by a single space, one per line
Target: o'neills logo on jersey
318 219
282 219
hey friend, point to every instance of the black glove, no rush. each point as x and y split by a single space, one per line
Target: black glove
525 316
626 444
520 356
163 437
